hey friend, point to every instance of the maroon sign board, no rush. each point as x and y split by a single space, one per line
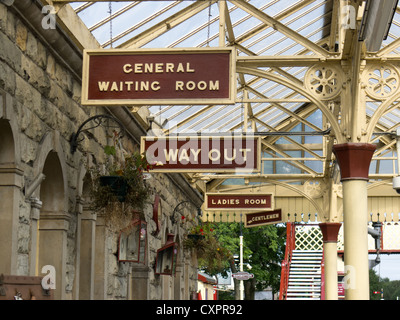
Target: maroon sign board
234 201
263 218
203 154
159 76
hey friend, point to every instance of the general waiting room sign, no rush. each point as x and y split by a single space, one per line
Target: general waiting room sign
158 76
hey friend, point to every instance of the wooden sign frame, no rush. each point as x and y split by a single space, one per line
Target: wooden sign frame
208 168
177 76
257 219
237 201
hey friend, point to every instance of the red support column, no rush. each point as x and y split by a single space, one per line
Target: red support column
330 232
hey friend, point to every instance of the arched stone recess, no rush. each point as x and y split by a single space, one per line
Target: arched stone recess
11 181
50 241
85 239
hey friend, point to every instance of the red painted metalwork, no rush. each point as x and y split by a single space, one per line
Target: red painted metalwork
290 246
322 277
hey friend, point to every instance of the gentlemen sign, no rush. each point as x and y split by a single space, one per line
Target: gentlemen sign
161 76
233 201
203 154
263 218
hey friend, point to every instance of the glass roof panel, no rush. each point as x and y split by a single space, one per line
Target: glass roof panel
273 106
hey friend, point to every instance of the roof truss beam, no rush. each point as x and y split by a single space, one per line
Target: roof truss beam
167 24
274 23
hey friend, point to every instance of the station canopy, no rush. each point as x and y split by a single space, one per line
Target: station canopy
301 67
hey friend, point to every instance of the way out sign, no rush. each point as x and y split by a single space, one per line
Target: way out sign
195 76
203 154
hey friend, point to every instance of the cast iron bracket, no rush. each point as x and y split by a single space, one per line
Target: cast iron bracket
98 120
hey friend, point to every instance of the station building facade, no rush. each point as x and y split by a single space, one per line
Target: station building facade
44 214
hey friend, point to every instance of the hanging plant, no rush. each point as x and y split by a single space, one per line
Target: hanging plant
123 191
210 253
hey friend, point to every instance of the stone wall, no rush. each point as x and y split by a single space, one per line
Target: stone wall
39 110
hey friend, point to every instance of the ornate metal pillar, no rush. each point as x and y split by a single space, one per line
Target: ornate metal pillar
354 160
330 232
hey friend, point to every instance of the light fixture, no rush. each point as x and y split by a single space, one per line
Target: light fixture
376 21
132 242
166 258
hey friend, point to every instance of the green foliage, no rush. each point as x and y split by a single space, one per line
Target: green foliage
110 150
119 208
213 257
263 250
391 289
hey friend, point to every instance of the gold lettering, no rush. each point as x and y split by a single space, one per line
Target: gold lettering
159 68
138 67
171 155
114 86
155 86
127 68
144 86
128 85
202 85
188 68
180 68
230 158
103 85
214 86
195 154
148 68
184 155
245 151
169 67
190 85
214 158
179 85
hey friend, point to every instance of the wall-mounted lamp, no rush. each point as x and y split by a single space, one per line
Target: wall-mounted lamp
132 242
167 257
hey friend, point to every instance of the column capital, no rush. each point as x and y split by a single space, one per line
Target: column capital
354 160
330 231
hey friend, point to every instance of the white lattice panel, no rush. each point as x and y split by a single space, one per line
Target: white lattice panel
308 237
391 236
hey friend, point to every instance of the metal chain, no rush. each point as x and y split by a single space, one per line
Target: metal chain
111 31
208 25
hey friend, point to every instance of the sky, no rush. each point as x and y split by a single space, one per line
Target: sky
389 266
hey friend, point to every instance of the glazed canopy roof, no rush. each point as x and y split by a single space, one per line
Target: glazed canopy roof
295 61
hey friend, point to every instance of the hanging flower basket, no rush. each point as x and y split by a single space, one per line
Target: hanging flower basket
124 190
117 184
196 237
209 251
